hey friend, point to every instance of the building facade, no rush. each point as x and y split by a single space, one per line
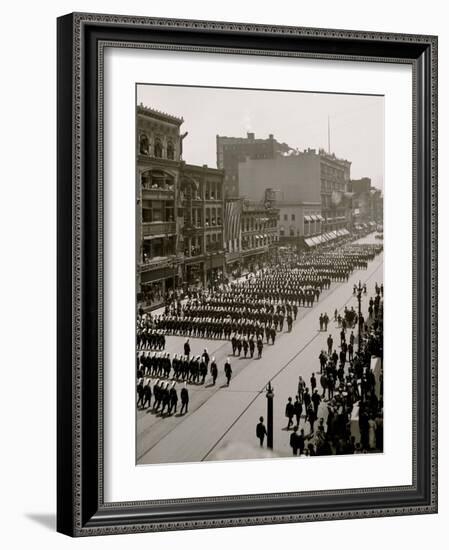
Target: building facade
306 184
251 234
179 213
232 150
298 221
367 203
336 205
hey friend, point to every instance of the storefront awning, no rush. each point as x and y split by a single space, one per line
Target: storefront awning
307 218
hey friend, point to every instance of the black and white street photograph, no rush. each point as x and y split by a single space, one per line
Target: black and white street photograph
259 274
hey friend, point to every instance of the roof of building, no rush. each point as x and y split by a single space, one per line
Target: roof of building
251 138
160 115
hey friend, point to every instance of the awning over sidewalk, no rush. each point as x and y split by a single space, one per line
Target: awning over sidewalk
309 242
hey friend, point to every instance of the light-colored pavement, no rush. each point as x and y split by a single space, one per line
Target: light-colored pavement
219 415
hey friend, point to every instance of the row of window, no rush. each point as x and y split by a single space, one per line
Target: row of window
155 179
327 185
160 247
157 150
253 224
292 217
194 245
212 191
158 211
164 211
331 171
213 217
255 241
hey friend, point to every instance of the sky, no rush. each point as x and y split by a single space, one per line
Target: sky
297 118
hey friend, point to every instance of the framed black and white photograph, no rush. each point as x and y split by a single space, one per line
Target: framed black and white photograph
247 280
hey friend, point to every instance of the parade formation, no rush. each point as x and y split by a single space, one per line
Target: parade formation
338 410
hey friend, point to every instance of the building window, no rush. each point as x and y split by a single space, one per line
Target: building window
158 148
169 212
156 211
144 145
285 217
293 217
170 151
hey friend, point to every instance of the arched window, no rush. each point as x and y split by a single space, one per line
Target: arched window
170 150
144 145
158 148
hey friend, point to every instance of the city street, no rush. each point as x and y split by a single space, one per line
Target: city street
219 415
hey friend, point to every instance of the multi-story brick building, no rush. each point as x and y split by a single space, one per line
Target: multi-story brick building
232 150
251 234
311 190
179 211
336 204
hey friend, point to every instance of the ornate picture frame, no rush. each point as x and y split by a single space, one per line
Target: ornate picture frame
81 507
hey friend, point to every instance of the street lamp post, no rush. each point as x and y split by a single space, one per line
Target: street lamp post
270 396
358 290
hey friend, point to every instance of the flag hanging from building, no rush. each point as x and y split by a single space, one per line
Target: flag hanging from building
233 212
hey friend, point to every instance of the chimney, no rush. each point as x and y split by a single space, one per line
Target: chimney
250 135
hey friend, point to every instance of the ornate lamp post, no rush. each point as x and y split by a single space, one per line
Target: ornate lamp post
270 396
358 290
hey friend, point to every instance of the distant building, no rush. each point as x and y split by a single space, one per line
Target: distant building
232 150
367 203
336 200
302 177
298 221
180 211
310 190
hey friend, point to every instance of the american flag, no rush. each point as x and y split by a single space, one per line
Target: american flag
233 212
